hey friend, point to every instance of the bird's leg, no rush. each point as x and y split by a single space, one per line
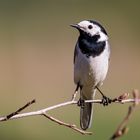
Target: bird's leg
81 102
75 92
105 100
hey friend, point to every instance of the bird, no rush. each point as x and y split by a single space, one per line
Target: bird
91 62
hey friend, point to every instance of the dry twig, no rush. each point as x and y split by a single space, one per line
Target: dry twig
122 128
72 126
18 111
121 99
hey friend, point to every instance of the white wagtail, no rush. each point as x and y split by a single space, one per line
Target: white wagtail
91 60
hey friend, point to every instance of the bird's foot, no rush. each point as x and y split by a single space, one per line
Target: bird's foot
81 103
106 101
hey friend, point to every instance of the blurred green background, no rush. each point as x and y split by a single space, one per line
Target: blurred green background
36 61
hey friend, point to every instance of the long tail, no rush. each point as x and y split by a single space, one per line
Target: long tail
86 116
86 111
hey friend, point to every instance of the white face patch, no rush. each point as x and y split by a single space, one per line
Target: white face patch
92 29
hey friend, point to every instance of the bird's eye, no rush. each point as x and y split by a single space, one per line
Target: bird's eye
90 26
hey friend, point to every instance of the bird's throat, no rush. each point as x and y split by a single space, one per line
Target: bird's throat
90 46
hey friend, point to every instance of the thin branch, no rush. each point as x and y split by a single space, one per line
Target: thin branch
121 99
45 110
19 110
72 126
122 128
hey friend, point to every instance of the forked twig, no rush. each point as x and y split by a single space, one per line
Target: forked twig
122 128
18 111
72 126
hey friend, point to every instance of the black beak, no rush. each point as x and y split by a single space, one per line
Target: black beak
75 26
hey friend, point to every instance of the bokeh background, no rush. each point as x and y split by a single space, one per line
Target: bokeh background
36 61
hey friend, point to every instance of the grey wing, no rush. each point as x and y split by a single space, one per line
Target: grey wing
75 52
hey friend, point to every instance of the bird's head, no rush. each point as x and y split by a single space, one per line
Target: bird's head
92 29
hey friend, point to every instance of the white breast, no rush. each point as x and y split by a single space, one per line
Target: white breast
91 72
